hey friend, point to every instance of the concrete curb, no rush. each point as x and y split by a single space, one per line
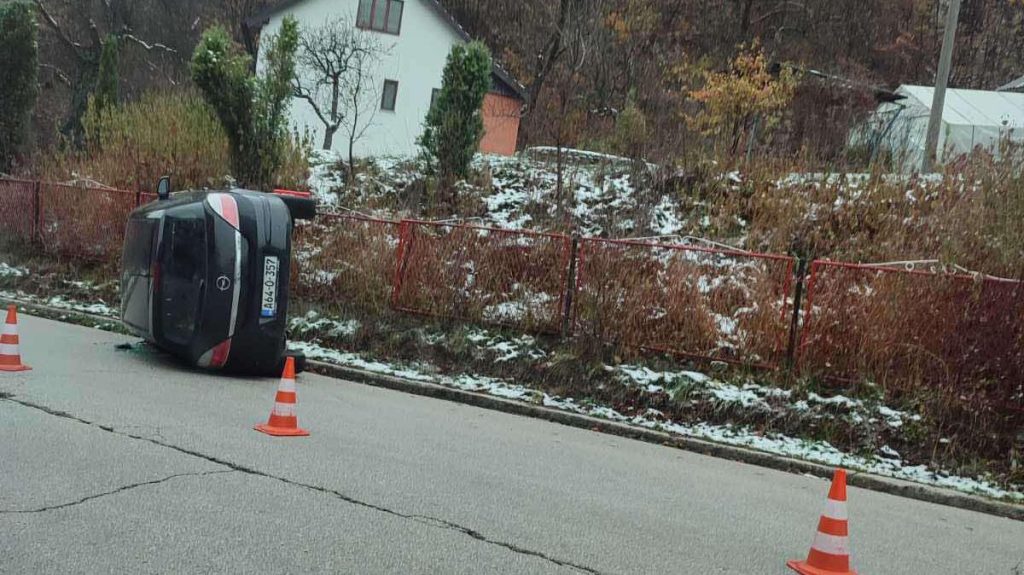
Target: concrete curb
878 483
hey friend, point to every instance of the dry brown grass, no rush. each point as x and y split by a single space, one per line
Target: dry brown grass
483 276
689 301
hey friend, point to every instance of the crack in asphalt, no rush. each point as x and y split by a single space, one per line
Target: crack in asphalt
421 519
108 493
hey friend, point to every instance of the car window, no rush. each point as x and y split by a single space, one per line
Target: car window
138 246
183 272
135 278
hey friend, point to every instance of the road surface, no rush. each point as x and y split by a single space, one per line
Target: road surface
121 461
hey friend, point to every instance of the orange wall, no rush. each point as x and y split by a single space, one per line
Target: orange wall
501 125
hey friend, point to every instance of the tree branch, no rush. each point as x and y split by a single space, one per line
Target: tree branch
61 34
148 47
63 77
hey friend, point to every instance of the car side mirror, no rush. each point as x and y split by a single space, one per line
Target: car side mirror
163 189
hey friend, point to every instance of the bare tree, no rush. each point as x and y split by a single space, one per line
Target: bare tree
576 44
336 65
115 21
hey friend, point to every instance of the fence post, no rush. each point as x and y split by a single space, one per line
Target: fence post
570 285
400 258
37 212
794 323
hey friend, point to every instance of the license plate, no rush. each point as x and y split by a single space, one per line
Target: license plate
270 273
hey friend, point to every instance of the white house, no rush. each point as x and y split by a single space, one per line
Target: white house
418 35
971 120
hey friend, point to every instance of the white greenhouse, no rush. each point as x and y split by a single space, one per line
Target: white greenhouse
972 120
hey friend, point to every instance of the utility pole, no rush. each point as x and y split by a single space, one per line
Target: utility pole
931 145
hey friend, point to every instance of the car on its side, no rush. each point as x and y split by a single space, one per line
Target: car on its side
205 275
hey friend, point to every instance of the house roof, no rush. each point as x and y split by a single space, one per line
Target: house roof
504 78
972 107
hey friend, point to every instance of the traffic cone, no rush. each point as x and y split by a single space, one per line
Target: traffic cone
830 551
10 356
283 421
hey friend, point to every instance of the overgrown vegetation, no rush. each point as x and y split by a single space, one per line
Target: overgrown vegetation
252 109
19 62
131 146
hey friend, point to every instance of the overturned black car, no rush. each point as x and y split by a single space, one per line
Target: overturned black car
205 276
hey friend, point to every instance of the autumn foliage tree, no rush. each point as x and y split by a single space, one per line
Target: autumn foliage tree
745 99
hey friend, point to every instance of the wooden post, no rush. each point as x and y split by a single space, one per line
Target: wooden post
931 145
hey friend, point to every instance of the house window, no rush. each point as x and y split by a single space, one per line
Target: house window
387 102
381 15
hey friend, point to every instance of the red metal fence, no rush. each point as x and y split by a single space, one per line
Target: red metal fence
859 322
346 260
892 325
18 209
86 223
695 302
485 275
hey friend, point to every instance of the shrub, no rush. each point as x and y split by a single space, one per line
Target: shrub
19 63
455 123
251 109
742 100
132 145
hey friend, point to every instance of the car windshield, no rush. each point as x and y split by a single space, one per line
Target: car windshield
183 272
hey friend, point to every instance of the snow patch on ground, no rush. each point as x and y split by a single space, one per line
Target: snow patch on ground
98 308
60 302
817 451
695 386
312 322
324 177
505 349
8 271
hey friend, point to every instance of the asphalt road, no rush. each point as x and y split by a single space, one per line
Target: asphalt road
120 461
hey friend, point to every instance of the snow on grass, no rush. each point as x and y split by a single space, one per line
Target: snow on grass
61 302
695 386
816 451
489 385
324 177
505 349
664 220
12 271
313 323
504 208
98 308
523 304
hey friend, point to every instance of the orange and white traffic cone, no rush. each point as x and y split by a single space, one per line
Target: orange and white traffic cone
830 551
283 421
10 355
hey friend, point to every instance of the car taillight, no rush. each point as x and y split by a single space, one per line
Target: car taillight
216 357
226 207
